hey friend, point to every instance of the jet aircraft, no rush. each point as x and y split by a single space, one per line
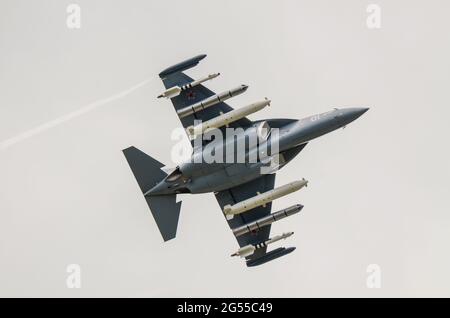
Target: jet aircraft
244 188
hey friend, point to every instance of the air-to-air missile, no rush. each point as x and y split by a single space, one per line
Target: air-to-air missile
267 220
176 90
263 198
210 101
227 118
250 249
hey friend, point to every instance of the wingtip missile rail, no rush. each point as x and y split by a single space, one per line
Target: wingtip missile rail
176 90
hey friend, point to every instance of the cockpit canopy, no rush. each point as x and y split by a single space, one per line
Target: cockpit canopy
263 131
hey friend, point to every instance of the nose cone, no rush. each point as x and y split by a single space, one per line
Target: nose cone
362 110
350 114
356 112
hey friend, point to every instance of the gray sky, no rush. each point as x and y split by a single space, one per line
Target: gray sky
378 191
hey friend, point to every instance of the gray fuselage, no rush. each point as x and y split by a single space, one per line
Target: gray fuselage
228 162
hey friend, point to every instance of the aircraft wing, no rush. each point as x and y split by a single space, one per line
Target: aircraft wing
242 192
174 76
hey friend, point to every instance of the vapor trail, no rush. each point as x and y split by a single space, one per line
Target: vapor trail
60 120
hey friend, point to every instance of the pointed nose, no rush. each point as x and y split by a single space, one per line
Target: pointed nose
362 110
351 114
347 115
357 112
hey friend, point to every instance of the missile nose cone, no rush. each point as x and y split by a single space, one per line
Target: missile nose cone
300 183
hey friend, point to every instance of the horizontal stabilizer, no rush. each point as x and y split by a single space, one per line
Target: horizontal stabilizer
146 169
148 173
166 212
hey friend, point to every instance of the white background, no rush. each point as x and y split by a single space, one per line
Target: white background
378 190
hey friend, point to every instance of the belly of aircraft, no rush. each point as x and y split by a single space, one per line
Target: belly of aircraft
229 176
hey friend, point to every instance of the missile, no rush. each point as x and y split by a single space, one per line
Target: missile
267 220
227 118
251 248
176 90
263 198
210 101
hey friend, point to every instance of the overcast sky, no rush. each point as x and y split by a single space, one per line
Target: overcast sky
72 99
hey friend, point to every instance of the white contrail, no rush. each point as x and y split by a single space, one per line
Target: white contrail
60 120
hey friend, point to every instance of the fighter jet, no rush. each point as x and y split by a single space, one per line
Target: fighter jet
242 174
